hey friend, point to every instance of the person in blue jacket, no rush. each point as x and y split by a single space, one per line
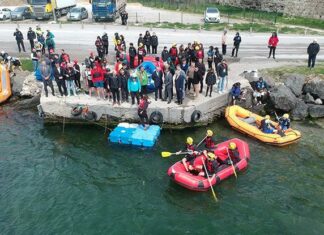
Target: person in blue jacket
134 88
284 122
261 90
267 127
210 57
235 92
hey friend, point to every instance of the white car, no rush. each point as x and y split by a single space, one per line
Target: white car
5 13
212 15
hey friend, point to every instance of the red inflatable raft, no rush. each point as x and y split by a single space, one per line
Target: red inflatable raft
178 173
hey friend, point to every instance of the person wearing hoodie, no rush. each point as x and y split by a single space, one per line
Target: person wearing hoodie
142 76
272 44
210 56
105 42
210 81
237 41
132 54
165 54
134 88
155 43
312 52
148 41
123 78
115 87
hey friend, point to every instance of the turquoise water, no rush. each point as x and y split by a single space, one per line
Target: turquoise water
77 183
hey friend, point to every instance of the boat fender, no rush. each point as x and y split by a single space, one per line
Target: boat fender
90 116
156 118
40 111
76 111
196 116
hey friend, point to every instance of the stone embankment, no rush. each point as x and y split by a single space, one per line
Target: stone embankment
301 96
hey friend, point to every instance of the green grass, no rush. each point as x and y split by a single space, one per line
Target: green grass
235 12
27 65
256 27
277 73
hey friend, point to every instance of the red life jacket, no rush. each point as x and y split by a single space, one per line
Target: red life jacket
209 143
209 166
190 147
142 104
173 51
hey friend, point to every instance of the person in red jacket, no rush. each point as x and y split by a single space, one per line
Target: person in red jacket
97 76
272 44
173 52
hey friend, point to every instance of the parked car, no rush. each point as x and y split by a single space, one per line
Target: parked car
22 13
77 13
212 15
5 13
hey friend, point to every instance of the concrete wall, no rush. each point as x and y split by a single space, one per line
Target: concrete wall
306 8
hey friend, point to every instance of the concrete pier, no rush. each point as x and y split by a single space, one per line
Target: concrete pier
174 115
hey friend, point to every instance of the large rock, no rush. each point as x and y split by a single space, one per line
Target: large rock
28 103
31 87
300 112
315 87
295 82
316 111
18 81
283 98
309 99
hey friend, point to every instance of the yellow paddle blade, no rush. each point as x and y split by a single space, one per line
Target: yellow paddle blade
166 154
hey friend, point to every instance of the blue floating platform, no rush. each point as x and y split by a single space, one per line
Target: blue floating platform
134 134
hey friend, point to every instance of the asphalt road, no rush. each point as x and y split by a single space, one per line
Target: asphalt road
79 41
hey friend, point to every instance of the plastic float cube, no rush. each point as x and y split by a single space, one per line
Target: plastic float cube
134 134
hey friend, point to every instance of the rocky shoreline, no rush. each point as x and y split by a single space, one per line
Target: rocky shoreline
296 94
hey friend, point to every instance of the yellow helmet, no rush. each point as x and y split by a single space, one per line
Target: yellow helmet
197 48
189 140
174 45
118 41
267 117
232 146
211 156
141 44
209 133
286 116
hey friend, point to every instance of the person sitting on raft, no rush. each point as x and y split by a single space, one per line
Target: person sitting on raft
267 127
209 140
284 122
190 157
211 163
233 153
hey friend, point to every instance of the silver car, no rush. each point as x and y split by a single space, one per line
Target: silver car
212 15
77 13
21 13
5 13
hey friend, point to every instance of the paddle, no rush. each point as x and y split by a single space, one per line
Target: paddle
231 162
168 154
213 192
201 141
280 131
